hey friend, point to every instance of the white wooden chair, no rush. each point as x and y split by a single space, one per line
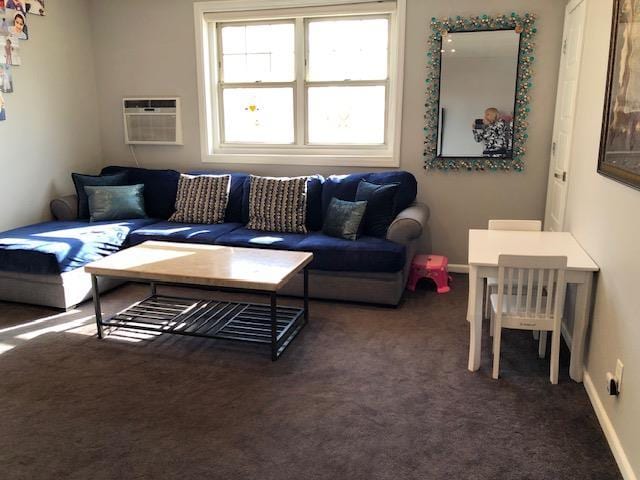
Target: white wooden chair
526 310
492 283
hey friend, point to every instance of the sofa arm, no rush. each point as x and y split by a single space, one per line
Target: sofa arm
409 224
65 208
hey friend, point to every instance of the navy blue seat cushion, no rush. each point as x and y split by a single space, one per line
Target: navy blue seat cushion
180 232
314 217
58 247
236 193
344 187
244 237
160 188
367 254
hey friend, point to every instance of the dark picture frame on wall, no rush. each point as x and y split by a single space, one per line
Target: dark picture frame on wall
619 156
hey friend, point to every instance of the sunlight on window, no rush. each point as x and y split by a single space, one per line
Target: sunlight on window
252 53
258 115
348 49
346 115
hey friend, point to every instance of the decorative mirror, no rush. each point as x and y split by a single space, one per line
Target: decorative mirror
478 82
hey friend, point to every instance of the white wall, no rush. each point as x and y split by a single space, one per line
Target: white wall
603 216
146 47
469 86
52 121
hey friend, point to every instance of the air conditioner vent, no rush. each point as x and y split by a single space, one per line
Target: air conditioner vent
152 121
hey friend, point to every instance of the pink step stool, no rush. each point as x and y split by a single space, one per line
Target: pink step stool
434 267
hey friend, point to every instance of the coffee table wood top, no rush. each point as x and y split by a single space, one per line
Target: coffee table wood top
207 265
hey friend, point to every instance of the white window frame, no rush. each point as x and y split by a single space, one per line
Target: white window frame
209 14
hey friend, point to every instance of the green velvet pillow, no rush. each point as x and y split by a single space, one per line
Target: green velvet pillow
116 203
344 219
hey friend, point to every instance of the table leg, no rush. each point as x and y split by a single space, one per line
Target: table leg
474 316
306 295
580 324
153 288
274 327
96 304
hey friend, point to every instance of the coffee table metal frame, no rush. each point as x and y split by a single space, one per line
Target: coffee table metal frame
268 324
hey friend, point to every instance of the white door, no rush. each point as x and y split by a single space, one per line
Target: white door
574 20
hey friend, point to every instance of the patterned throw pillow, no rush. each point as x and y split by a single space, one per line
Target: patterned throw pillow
201 199
278 204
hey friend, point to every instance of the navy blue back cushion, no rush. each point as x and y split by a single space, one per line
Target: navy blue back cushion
234 211
160 188
314 202
344 187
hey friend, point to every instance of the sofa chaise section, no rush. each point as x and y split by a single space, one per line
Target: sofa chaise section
42 264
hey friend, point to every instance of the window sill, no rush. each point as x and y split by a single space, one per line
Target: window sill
355 160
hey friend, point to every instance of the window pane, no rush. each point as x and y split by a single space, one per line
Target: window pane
253 53
258 115
343 115
348 49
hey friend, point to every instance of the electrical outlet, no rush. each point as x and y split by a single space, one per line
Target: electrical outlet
619 369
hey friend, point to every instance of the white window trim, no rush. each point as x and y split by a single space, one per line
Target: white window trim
206 13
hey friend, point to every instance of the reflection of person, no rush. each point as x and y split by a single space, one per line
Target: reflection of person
18 29
4 26
494 132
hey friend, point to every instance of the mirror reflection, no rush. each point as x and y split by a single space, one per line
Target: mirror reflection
477 93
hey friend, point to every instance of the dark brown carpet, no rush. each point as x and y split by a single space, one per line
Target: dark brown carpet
363 393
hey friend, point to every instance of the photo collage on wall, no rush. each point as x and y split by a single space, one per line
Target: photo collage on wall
15 17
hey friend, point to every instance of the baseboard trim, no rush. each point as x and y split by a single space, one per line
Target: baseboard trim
609 431
458 268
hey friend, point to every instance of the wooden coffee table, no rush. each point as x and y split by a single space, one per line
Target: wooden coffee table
238 269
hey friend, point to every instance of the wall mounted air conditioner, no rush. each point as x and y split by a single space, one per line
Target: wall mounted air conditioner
152 121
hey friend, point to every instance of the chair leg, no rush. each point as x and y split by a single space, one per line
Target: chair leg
542 344
536 334
497 334
555 356
492 323
487 305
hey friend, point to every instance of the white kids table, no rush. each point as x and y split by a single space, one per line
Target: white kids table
484 248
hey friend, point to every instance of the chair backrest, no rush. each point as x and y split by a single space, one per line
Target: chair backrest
516 225
526 275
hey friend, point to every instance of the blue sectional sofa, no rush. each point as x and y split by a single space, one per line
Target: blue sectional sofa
42 263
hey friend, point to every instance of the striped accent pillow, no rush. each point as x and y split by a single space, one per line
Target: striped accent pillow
201 199
278 204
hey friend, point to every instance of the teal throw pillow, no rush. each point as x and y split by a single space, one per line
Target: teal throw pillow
116 203
344 219
80 181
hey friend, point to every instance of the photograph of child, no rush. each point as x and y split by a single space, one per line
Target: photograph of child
10 51
3 113
6 79
35 7
17 24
